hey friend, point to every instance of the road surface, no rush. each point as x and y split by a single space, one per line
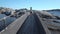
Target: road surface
32 25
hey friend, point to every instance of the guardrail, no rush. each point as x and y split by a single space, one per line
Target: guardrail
14 27
43 24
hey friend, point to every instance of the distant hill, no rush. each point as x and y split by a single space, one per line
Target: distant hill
17 10
52 10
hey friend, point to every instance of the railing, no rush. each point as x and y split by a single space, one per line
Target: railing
14 27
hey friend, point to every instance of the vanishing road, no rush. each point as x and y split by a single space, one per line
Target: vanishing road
32 25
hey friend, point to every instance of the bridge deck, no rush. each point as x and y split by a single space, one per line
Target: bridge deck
32 25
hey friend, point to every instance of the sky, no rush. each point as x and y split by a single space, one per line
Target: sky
35 4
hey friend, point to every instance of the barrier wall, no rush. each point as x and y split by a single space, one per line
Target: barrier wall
43 24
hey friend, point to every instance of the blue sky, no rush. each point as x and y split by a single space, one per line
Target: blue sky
35 4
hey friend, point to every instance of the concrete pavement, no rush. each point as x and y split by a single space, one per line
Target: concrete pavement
32 25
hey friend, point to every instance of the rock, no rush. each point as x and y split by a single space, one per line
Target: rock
45 14
57 17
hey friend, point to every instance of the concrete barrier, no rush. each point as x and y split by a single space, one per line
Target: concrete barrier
44 25
14 27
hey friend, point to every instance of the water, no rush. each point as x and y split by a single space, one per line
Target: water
2 15
56 13
8 21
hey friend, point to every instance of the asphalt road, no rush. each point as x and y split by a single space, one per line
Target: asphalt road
32 25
